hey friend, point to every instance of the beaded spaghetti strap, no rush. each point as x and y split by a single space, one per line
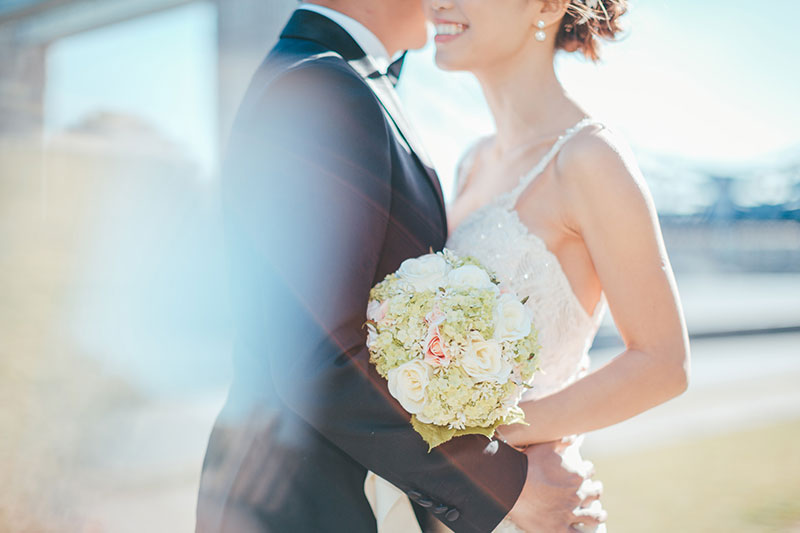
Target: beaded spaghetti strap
510 198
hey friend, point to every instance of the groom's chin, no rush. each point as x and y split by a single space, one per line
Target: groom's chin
413 26
419 41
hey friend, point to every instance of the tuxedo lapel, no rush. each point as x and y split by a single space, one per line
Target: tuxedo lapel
312 26
384 90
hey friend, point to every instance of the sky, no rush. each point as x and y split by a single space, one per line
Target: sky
712 82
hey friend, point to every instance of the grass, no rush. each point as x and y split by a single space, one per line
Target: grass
744 482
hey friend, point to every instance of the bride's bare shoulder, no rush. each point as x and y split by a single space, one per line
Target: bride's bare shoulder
598 166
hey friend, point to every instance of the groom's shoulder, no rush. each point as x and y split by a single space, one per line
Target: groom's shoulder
305 68
305 92
291 54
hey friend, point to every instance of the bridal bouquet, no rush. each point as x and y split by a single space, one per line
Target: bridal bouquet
457 351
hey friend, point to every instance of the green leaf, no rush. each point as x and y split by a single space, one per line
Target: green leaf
435 435
432 434
516 416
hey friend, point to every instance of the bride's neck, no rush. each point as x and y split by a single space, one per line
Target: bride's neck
525 98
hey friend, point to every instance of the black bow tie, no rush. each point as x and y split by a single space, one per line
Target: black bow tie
393 72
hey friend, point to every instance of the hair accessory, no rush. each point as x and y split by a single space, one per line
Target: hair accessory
587 11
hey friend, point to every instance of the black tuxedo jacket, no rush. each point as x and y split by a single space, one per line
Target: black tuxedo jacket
324 194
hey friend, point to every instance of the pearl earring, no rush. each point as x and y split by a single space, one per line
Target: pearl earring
540 35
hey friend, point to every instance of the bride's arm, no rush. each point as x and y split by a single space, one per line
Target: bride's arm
611 207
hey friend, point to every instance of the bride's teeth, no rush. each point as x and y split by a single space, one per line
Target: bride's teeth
450 29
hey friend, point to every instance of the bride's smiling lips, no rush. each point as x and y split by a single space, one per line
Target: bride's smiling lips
447 31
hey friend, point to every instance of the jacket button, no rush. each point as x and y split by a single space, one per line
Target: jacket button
440 509
414 495
422 502
452 515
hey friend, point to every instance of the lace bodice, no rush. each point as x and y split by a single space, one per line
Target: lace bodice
495 235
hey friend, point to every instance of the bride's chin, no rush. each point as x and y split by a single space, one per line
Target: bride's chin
448 63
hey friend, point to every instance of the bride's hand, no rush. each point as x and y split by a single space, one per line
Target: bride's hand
590 513
589 516
555 496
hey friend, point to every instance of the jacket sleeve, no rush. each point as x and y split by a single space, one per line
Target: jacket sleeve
306 196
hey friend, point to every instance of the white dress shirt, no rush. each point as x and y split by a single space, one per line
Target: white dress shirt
367 40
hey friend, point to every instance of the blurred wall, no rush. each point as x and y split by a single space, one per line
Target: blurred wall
22 73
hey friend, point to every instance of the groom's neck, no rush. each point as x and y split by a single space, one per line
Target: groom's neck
376 16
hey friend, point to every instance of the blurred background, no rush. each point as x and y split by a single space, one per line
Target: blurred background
115 332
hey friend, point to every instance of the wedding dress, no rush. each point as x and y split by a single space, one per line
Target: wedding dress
495 235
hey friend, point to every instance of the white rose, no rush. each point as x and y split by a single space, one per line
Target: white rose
426 273
483 360
372 335
512 320
376 311
469 277
425 419
407 383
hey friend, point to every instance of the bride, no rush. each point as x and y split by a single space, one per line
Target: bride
554 203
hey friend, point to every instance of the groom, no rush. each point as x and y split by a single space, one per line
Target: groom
326 190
